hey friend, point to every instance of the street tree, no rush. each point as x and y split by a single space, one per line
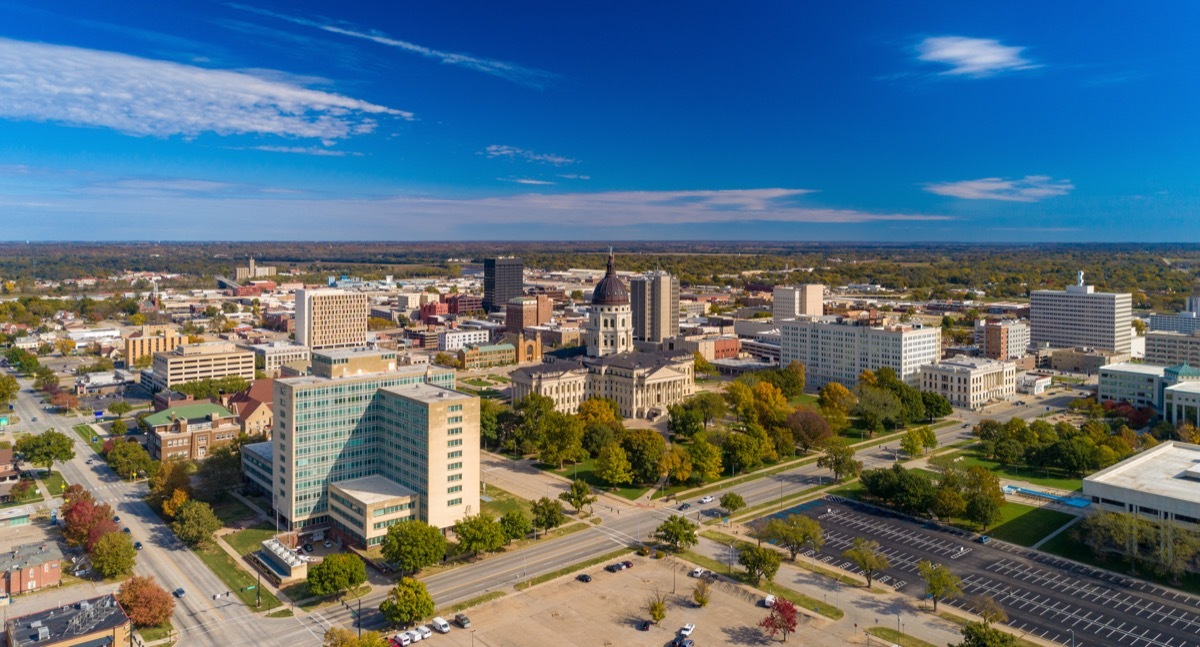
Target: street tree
171 506
913 443
195 524
940 583
578 495
103 526
128 459
706 460
836 402
145 602
171 476
113 555
867 555
760 562
677 464
9 388
644 449
118 427
338 637
120 408
809 428
732 502
781 619
46 448
336 573
677 532
547 514
978 634
839 459
988 609
612 465
793 533
412 545
406 603
515 525
479 533
81 517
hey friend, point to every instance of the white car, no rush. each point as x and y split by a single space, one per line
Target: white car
424 631
707 499
698 572
687 629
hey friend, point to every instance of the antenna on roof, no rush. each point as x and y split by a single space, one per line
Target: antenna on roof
1081 278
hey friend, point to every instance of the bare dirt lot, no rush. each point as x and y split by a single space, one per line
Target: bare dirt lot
606 611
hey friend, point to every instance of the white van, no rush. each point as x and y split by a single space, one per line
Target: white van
769 601
401 640
440 625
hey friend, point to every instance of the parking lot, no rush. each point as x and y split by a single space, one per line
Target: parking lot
606 611
1043 595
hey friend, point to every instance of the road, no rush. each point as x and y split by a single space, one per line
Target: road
200 620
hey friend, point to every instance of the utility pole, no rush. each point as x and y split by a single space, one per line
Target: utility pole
258 592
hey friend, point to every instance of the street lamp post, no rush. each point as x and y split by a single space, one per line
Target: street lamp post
897 623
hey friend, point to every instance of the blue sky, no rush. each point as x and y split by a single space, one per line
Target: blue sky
845 121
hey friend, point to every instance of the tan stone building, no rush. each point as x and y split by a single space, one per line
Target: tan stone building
970 382
194 362
150 340
487 356
190 432
331 318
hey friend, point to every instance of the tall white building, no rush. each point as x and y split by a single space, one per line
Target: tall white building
791 301
331 318
1185 322
654 299
834 349
970 382
1080 316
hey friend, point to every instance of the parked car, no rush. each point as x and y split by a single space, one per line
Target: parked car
414 635
179 592
707 499
769 601
983 539
613 568
137 545
424 631
698 572
684 506
687 629
308 548
328 544
90 461
462 620
401 640
627 564
440 625
643 625
584 577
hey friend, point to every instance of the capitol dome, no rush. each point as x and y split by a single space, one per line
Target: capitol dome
610 291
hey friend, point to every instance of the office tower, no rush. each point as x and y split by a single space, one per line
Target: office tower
833 349
1080 316
150 340
1002 338
331 318
524 312
363 444
502 281
1187 321
654 300
210 360
791 301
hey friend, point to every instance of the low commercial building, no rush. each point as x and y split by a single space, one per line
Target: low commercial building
487 356
1034 383
1162 483
191 431
13 517
210 360
713 348
366 507
1167 348
1084 360
95 622
256 466
277 354
281 564
30 567
970 382
102 383
85 336
455 340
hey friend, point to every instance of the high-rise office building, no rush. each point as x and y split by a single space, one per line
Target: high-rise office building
833 349
331 318
1002 338
791 301
1080 316
654 300
503 280
523 312
362 444
193 362
1187 321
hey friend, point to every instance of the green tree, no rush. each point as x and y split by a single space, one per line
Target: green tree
195 523
836 402
984 497
9 388
760 562
128 459
793 533
406 603
120 408
947 503
706 460
644 448
940 583
338 637
479 533
703 366
221 471
711 406
489 421
46 448
936 405
578 495
741 451
913 443
118 427
515 525
867 556
171 476
732 502
839 459
612 466
412 545
978 634
683 421
113 555
336 573
547 514
678 532
702 593
561 440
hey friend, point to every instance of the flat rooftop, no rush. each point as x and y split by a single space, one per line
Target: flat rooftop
1133 367
425 392
15 513
60 624
1162 470
261 450
373 489
353 351
401 369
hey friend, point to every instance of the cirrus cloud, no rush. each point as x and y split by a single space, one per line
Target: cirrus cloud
972 57
1030 188
512 152
139 96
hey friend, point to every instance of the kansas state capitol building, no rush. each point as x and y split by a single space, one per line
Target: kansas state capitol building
642 384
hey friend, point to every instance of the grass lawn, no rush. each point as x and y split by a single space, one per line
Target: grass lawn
231 511
1064 545
1045 478
474 381
804 400
585 471
504 501
223 566
282 613
896 638
33 496
151 634
473 602
55 483
87 433
247 541
1027 525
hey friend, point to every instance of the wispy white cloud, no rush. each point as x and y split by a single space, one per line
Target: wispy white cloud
138 96
305 150
574 176
524 180
1030 188
511 71
512 152
973 57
